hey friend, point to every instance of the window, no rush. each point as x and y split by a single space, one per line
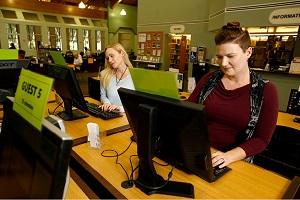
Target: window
30 16
13 32
33 36
50 18
99 39
9 14
86 38
72 39
54 37
84 22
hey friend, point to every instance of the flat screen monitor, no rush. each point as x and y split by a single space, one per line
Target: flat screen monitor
67 87
173 130
9 76
33 163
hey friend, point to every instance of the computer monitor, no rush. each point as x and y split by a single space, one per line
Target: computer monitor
33 163
9 76
173 130
67 87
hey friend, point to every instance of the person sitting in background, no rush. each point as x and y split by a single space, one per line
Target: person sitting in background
87 52
21 54
12 46
241 107
69 57
114 76
77 60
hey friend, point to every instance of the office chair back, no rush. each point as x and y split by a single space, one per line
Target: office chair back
282 155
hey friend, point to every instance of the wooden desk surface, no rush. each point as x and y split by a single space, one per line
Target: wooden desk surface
74 191
243 181
78 131
286 119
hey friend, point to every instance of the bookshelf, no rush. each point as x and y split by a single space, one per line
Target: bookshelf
179 46
149 52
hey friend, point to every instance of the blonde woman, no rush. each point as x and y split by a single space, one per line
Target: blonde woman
115 75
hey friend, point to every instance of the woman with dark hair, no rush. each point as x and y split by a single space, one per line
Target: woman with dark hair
241 107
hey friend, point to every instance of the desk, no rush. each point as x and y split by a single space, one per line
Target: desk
74 191
286 119
243 181
78 131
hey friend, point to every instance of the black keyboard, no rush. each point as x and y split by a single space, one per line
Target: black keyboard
218 172
94 110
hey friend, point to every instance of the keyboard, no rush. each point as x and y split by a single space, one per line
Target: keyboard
94 110
218 172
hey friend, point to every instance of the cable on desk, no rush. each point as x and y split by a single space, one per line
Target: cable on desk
129 182
60 104
117 157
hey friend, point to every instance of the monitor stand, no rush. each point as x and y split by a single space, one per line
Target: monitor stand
69 114
148 180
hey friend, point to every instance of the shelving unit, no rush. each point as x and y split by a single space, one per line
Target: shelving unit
179 46
149 54
178 56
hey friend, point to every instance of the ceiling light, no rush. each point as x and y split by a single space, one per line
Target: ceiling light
81 5
123 12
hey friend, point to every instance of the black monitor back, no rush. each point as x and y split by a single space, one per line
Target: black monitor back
10 72
181 136
67 87
33 163
9 76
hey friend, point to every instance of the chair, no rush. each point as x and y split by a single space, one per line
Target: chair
282 155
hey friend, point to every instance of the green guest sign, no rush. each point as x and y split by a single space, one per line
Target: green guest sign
32 96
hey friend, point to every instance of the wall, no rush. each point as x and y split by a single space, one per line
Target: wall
122 24
156 15
284 84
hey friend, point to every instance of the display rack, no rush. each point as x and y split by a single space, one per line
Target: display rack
179 46
149 54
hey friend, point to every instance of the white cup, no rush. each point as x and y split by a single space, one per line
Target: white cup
93 135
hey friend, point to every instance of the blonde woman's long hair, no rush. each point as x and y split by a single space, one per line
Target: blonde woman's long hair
108 71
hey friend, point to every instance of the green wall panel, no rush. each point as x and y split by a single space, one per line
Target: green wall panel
116 21
171 11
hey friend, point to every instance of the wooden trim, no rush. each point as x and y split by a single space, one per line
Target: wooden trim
293 190
40 6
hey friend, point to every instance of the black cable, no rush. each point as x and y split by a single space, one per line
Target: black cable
129 182
54 109
117 157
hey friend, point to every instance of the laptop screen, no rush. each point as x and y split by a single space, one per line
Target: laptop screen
162 83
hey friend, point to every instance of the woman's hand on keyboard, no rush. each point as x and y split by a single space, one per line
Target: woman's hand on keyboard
109 107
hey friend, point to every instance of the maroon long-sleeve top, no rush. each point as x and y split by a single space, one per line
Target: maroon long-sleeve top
228 113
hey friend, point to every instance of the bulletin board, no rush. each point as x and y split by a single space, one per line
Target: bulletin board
150 46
